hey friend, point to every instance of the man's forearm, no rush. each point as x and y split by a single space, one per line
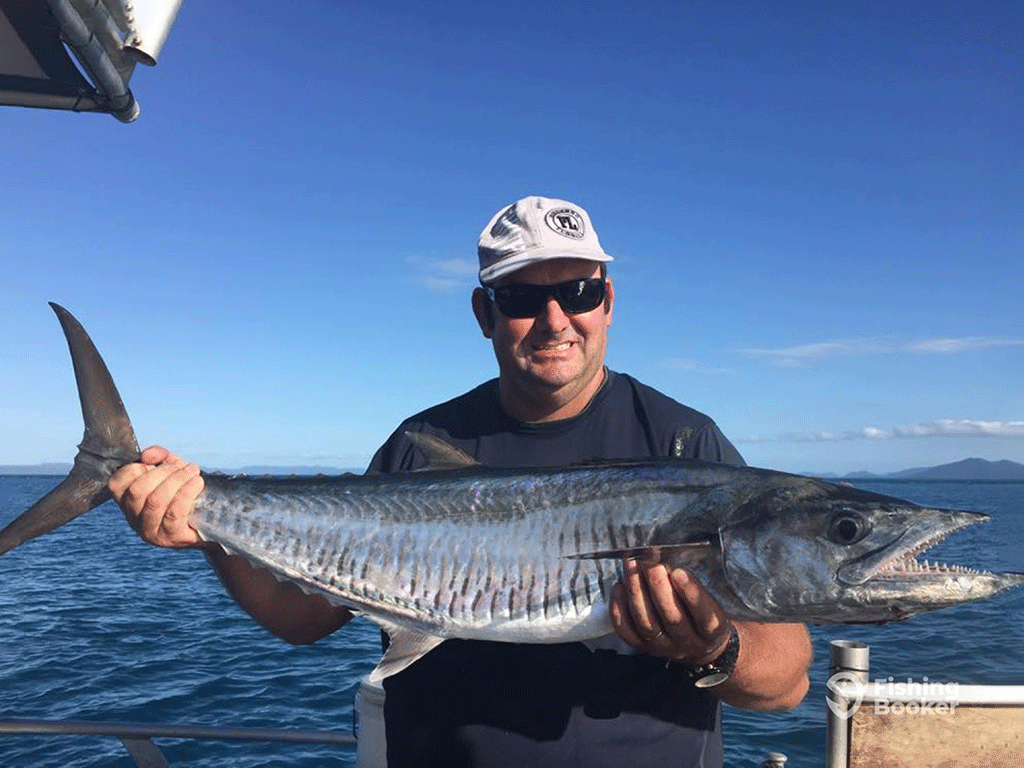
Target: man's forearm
771 671
280 607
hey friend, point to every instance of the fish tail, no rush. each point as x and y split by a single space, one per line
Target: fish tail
108 444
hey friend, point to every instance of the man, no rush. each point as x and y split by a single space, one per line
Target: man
647 695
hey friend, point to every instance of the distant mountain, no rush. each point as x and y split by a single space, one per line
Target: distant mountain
968 469
257 470
57 468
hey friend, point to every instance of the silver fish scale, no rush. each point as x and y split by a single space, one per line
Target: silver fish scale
449 552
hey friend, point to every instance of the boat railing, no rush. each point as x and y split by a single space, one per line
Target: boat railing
925 723
137 737
870 723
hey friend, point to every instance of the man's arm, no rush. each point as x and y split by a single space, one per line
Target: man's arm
771 672
157 495
670 615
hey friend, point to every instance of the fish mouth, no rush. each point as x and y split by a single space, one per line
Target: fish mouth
898 559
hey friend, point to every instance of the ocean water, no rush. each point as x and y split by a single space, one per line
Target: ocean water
96 625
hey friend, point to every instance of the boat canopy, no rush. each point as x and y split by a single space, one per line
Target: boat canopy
79 54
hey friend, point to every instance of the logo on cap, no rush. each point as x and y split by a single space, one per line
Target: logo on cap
566 222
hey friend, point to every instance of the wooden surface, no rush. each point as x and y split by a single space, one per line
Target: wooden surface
966 737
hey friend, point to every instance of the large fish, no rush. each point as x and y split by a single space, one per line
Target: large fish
530 555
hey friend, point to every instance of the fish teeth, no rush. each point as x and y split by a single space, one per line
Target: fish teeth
908 564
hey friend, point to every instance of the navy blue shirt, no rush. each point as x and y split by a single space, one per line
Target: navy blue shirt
597 703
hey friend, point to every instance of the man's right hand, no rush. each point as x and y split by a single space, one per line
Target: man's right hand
156 496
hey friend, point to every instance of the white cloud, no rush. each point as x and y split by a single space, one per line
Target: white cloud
444 275
439 284
962 428
682 364
457 267
940 428
804 354
949 346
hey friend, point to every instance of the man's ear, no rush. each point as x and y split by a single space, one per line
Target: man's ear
609 299
483 311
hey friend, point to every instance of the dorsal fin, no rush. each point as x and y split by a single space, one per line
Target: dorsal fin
440 454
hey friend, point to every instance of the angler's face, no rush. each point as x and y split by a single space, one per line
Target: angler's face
554 351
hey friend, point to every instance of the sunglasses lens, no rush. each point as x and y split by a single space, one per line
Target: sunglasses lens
573 296
520 301
579 296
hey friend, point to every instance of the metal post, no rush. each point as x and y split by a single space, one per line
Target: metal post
849 661
98 63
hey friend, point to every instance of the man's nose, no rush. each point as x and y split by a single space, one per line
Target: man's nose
553 316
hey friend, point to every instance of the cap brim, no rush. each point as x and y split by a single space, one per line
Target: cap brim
512 263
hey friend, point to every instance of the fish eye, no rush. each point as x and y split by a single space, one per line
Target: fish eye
848 528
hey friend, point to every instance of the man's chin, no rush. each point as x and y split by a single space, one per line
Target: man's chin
553 377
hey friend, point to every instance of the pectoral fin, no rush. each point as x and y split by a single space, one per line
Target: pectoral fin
652 553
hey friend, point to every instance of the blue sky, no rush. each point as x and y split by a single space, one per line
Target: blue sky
815 212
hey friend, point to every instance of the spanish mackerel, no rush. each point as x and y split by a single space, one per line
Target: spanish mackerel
462 550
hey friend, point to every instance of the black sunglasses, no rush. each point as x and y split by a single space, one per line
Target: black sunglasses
521 300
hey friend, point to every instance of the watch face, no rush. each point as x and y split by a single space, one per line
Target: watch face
711 680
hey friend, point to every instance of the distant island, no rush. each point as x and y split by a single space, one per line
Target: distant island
261 469
967 469
56 468
50 468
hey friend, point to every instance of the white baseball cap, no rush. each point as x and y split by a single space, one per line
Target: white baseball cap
536 229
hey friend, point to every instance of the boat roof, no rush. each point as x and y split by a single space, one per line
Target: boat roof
62 54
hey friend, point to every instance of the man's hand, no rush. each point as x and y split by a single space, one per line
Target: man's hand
156 496
668 614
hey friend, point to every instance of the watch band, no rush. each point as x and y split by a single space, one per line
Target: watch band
718 670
